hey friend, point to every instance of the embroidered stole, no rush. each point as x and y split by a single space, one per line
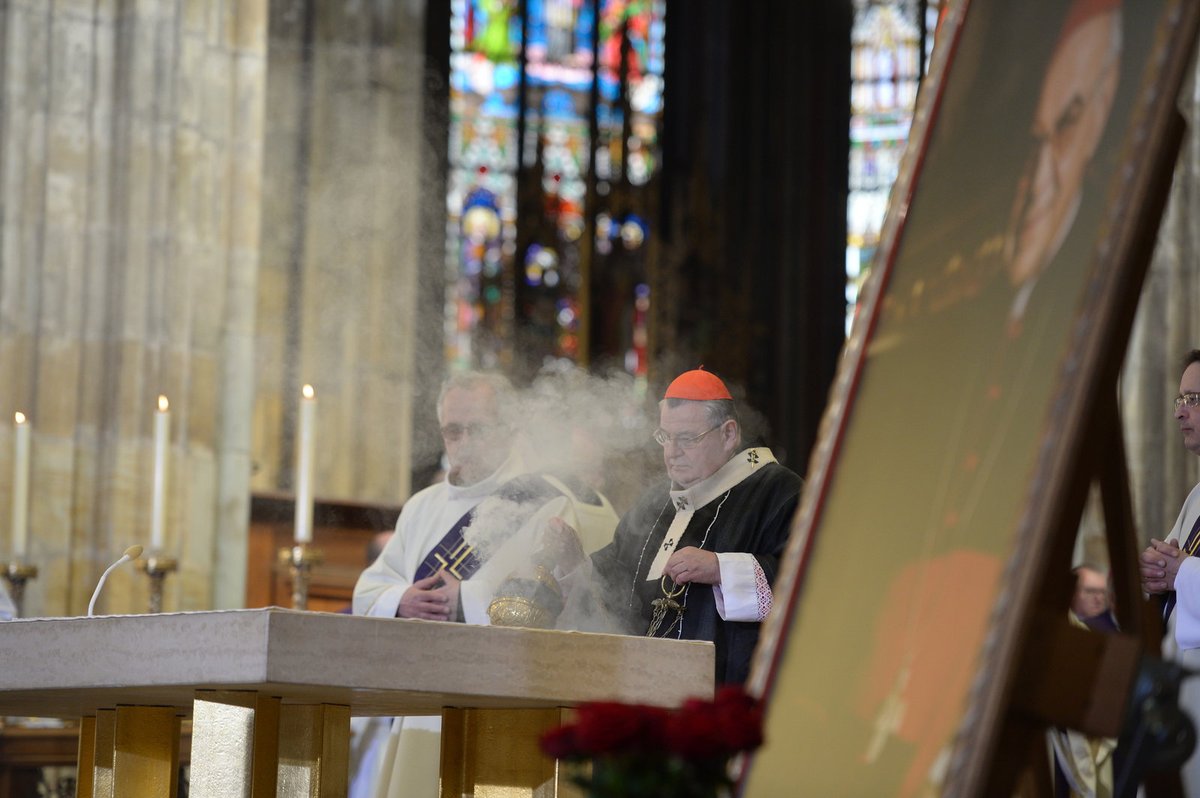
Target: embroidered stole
1188 548
458 557
452 553
687 501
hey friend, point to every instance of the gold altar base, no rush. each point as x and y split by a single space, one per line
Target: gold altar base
129 751
17 573
157 566
495 753
301 559
244 743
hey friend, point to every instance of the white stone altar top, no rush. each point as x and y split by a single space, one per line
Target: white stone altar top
69 667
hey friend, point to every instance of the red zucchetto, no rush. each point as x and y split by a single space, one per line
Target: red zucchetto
697 385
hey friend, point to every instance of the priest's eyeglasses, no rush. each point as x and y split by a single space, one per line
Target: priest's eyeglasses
1189 399
682 441
454 432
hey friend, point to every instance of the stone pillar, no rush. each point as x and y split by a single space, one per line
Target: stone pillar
338 281
129 179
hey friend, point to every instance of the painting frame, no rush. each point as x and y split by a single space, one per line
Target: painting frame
1090 350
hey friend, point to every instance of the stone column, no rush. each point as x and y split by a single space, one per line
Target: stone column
338 282
128 247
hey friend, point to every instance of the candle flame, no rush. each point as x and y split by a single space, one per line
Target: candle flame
163 404
308 391
19 417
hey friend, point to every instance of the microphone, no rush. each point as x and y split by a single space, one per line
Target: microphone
131 553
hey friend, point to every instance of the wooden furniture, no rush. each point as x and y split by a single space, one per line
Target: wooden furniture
341 531
271 692
25 751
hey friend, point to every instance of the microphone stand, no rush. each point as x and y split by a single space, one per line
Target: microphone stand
17 573
157 566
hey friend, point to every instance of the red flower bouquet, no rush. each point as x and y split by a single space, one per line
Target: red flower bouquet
638 750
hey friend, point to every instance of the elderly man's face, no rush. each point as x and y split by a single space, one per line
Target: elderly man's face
475 439
1091 593
1077 95
1188 417
695 449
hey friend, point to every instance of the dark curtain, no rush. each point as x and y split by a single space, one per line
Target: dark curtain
434 171
752 274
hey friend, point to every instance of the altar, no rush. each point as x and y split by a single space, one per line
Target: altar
271 692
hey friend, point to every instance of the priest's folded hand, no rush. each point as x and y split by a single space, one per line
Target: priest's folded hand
430 599
1158 565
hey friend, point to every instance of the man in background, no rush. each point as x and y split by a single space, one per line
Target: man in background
1169 569
1083 765
1092 602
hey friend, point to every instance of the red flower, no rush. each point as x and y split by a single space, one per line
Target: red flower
646 750
701 730
694 733
608 727
740 717
559 743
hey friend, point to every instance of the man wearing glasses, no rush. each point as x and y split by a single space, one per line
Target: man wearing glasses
418 572
1164 571
433 568
697 555
1168 569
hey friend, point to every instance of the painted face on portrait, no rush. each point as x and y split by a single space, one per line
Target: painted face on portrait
1189 417
1072 112
686 463
475 439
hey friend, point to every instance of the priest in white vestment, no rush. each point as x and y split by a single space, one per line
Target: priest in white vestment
457 541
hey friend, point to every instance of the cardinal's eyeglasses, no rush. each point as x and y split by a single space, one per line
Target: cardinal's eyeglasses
682 441
1189 399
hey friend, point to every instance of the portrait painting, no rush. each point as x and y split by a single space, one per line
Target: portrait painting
926 497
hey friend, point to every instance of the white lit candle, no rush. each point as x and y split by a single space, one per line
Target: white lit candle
158 505
304 464
20 498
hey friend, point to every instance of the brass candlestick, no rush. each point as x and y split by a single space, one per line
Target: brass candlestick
157 566
300 559
18 573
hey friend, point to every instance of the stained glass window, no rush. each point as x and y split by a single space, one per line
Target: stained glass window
891 42
482 188
555 112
